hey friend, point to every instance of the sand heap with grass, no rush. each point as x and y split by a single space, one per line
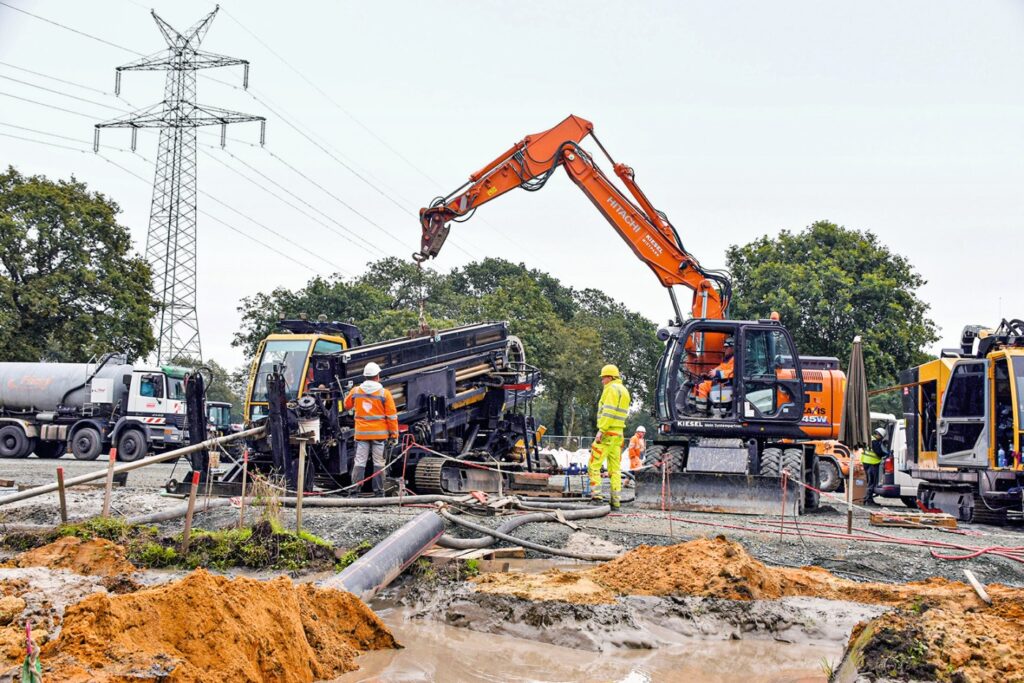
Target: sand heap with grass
93 557
207 627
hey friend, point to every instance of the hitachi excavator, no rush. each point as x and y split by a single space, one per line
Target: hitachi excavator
737 406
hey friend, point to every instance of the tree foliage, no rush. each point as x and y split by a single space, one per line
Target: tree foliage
830 283
568 334
70 288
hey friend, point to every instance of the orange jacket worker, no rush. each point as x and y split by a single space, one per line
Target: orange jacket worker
376 422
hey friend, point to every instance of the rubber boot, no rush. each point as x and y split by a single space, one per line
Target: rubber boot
378 482
357 475
615 501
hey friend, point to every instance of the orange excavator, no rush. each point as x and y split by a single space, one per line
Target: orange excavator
738 408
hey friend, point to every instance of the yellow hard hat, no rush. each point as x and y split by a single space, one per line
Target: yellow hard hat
609 371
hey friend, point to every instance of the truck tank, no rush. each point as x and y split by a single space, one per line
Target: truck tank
30 387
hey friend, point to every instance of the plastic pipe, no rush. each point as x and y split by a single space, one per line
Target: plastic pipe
484 541
382 565
129 466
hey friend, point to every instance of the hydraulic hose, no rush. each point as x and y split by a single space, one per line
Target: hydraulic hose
449 541
480 529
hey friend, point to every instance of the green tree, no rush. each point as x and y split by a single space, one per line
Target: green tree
70 288
829 284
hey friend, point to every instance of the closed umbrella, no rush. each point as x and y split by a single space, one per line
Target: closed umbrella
855 420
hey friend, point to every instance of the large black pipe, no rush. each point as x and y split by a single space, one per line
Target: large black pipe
382 565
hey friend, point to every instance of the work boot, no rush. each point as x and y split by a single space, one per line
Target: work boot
358 473
597 499
616 503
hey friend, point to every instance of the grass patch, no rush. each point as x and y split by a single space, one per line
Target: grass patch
266 545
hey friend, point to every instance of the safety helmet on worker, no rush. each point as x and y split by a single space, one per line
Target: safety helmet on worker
730 342
880 433
642 429
371 370
610 371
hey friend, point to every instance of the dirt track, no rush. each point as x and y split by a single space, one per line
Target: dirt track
347 528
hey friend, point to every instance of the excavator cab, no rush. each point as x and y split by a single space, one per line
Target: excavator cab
729 376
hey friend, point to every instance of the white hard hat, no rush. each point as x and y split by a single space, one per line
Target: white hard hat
642 429
371 370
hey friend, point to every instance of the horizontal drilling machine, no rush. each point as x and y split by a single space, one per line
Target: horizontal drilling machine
464 398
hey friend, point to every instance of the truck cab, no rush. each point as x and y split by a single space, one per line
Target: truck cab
151 415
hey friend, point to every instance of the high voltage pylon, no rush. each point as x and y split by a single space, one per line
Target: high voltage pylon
171 240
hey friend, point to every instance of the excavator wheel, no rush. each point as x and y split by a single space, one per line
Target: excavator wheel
652 456
674 457
793 462
771 462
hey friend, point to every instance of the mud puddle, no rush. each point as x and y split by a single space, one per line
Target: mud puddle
437 652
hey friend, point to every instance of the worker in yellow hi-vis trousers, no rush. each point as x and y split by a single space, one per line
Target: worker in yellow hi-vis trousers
611 422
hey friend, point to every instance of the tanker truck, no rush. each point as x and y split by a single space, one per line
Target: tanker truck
47 407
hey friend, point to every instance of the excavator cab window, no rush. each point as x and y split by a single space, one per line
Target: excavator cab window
771 376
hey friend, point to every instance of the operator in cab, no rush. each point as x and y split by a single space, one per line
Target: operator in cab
376 424
719 377
612 410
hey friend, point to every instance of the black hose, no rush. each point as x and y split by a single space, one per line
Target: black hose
479 528
484 541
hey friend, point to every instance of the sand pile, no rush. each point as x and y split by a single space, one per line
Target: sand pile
950 640
94 557
207 627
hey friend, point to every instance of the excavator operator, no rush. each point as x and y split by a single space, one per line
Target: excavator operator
719 379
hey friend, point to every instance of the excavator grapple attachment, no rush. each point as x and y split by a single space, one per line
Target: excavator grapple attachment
745 494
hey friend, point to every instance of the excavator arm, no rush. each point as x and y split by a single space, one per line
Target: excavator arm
530 163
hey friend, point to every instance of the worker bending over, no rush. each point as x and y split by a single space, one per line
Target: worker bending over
637 446
376 423
611 422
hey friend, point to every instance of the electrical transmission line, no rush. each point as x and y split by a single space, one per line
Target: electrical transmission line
171 240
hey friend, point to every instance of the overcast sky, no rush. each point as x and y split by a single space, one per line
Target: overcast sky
740 119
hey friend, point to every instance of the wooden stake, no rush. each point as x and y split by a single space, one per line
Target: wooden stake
60 494
978 588
855 458
302 485
245 471
110 482
191 510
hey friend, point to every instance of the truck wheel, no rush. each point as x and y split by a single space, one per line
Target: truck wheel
87 443
909 501
13 442
50 449
131 445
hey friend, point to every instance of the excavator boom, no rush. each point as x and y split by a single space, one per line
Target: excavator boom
529 164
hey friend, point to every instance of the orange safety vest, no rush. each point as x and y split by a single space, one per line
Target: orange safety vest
725 372
376 416
636 451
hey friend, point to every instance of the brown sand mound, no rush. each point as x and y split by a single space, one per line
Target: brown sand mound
949 641
551 585
720 568
96 557
206 628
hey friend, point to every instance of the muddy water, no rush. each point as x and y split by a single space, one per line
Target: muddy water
435 652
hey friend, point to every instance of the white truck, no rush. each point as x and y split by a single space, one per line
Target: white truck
895 481
49 408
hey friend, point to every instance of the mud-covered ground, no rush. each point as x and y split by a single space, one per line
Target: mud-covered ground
349 528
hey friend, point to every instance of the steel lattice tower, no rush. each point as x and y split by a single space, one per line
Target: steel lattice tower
171 240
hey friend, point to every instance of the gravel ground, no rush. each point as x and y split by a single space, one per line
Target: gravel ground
347 528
